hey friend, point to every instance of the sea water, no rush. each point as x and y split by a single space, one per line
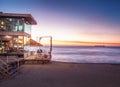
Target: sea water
84 54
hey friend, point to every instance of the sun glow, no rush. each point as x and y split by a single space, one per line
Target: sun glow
84 34
67 28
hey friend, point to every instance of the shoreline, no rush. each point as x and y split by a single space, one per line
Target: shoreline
84 63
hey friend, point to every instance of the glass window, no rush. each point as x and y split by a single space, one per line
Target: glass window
28 28
11 24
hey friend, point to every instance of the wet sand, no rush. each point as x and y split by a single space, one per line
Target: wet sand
58 74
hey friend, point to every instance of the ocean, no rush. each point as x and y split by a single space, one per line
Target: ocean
85 54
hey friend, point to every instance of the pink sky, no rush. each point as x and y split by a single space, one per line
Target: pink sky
69 28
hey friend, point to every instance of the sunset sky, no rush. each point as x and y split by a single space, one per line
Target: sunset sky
71 21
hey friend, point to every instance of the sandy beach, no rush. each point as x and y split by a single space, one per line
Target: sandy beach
58 74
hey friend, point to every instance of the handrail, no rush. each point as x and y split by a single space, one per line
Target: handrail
6 65
4 69
3 62
17 62
50 41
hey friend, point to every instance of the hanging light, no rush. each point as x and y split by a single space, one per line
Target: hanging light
10 19
2 23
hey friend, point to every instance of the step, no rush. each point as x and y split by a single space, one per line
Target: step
4 73
13 73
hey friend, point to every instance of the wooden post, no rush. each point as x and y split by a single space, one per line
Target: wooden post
50 43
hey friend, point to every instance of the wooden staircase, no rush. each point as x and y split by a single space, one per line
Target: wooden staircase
8 70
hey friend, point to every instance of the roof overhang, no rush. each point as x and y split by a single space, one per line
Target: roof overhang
27 17
13 33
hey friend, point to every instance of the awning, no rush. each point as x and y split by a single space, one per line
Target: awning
33 43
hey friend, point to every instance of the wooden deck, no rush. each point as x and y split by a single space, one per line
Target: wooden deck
37 59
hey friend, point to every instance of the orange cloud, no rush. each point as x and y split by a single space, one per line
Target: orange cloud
80 43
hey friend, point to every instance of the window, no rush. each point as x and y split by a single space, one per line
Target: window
11 24
27 28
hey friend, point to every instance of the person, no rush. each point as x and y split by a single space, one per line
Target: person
39 51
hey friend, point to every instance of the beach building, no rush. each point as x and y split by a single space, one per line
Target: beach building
15 33
16 42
